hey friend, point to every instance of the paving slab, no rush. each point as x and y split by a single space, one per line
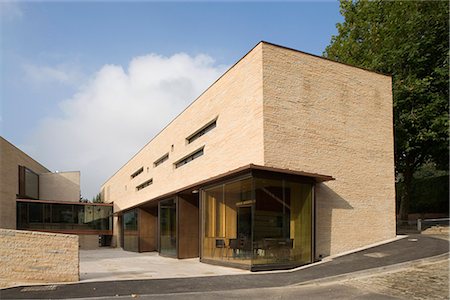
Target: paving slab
108 264
400 251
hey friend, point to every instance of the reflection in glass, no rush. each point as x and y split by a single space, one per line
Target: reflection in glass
52 216
35 212
283 228
168 229
130 231
228 222
258 222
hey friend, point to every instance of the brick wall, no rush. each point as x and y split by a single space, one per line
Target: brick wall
27 256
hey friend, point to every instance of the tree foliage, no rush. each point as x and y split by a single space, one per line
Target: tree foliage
97 198
410 41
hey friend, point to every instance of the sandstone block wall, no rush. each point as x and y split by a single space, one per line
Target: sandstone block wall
333 119
27 256
286 109
61 186
235 100
10 158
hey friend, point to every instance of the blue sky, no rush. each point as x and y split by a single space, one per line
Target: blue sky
58 59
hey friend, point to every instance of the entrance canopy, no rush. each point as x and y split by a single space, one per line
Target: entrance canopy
248 169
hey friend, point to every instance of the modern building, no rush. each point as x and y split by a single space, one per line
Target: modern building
34 198
287 158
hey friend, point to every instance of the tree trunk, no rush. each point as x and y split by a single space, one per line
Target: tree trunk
405 199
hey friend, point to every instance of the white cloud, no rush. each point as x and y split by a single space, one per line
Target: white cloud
117 112
69 74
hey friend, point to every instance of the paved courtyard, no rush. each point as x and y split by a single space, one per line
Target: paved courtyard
116 264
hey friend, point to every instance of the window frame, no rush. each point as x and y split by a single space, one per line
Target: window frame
202 131
190 157
137 173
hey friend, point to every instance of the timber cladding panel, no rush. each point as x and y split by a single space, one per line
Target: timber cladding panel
148 229
329 118
188 226
28 256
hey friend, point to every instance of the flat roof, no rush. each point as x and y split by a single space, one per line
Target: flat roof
233 173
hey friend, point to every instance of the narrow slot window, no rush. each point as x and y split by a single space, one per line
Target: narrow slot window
189 158
161 160
205 129
144 184
137 172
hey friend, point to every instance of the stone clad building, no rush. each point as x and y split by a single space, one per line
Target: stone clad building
285 159
36 199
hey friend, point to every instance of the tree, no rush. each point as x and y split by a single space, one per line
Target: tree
410 41
97 198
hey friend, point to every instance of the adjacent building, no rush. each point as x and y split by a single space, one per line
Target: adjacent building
34 198
285 159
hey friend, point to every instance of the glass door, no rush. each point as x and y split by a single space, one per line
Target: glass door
168 227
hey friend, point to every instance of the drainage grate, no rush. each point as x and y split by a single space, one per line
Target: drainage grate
40 288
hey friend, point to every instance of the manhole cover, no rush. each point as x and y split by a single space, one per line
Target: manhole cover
39 288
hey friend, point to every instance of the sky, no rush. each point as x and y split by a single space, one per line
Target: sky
85 85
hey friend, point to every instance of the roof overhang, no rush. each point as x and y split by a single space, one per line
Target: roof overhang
62 202
248 169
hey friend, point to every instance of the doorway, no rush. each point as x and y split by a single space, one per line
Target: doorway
168 228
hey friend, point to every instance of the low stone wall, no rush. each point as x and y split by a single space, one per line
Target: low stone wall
29 256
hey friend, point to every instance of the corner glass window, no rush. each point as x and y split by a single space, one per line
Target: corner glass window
258 223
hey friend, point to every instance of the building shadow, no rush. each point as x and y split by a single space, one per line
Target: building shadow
327 203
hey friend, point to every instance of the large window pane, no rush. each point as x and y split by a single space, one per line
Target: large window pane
301 222
22 215
62 213
130 231
239 201
271 233
31 184
283 222
168 227
227 215
35 212
213 222
52 216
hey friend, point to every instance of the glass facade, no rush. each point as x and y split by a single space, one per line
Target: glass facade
63 217
168 227
258 223
130 231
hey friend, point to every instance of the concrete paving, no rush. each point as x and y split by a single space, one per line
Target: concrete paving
109 264
399 252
